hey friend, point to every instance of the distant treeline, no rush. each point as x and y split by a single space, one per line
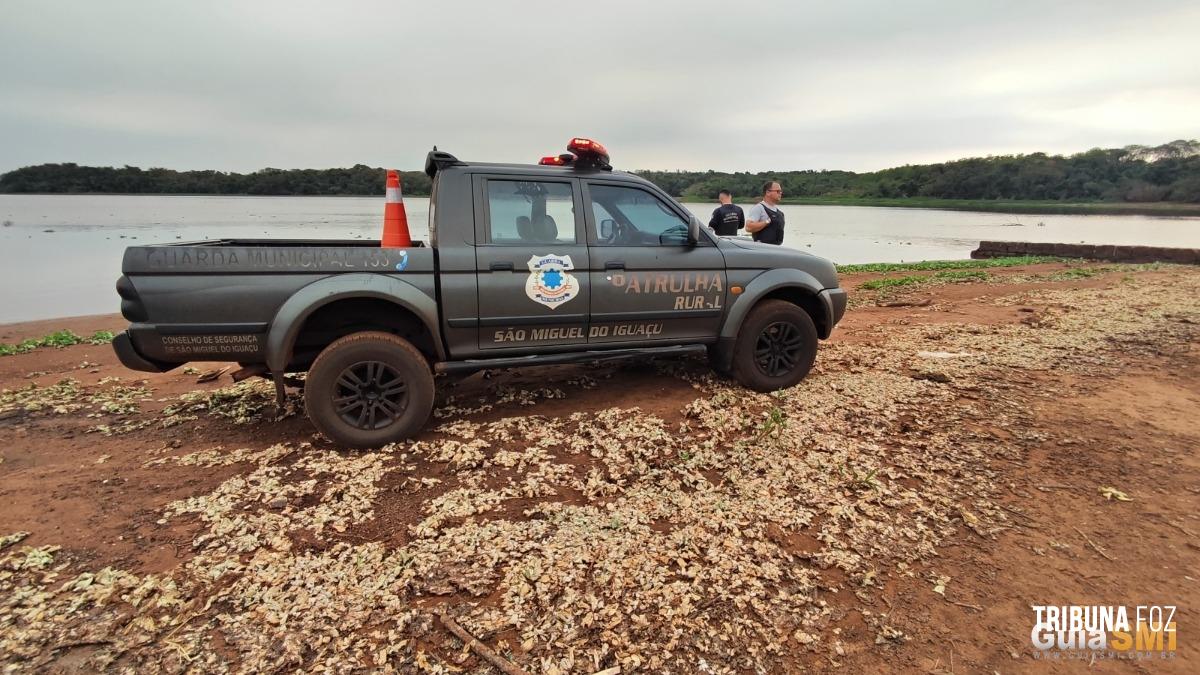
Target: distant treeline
1142 174
1168 172
73 179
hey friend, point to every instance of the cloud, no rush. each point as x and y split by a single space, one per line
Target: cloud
854 85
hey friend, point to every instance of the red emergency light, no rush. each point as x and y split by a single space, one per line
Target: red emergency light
581 146
590 153
557 160
584 153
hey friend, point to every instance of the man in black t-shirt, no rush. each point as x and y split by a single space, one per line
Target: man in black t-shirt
727 219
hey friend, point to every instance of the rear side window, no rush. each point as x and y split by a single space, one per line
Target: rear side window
530 212
627 216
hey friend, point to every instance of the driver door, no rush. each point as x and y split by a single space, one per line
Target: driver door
648 283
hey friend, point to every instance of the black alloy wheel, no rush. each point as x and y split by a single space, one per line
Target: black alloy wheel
368 389
775 346
370 395
779 348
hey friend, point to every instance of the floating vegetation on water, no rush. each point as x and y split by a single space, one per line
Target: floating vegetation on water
929 265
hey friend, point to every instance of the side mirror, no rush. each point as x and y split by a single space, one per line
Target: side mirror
682 236
608 226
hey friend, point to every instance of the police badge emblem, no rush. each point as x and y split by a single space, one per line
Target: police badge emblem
550 281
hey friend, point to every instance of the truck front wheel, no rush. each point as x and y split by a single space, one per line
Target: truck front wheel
775 347
368 389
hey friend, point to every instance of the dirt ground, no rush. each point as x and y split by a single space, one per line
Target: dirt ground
947 465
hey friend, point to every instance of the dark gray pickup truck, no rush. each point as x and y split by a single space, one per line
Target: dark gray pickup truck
525 265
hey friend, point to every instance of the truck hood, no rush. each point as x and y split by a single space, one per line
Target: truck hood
748 254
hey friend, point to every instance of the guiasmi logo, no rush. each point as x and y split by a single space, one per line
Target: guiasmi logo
1103 632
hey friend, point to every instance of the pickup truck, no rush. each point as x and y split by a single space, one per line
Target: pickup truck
525 265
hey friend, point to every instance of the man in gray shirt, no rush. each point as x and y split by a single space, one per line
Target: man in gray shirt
764 221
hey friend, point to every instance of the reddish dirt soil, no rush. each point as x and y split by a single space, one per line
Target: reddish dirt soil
93 495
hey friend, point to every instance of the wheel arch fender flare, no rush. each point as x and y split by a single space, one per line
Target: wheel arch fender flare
290 317
761 286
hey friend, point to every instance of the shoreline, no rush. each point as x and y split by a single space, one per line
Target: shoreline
1022 207
849 275
15 331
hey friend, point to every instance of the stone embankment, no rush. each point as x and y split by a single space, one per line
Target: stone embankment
1108 252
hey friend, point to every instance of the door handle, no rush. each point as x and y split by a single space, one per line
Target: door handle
501 266
614 265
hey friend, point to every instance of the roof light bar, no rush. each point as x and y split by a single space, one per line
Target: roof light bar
584 154
582 146
591 154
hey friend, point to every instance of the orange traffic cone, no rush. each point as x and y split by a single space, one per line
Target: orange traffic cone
395 220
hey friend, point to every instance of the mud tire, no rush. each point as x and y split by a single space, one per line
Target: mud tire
775 347
369 389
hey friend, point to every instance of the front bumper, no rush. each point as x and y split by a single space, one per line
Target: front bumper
835 299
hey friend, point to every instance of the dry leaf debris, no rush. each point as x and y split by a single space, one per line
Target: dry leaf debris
1111 493
68 395
706 542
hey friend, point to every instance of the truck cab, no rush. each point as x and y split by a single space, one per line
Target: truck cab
561 259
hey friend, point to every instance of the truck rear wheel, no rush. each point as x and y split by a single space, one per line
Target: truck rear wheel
775 347
368 389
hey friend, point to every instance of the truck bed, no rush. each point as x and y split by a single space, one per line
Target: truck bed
215 299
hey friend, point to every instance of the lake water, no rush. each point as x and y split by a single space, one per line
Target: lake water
61 254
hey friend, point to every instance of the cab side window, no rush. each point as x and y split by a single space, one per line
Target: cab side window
626 216
530 212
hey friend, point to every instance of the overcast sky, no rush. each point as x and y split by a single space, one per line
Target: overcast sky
239 86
